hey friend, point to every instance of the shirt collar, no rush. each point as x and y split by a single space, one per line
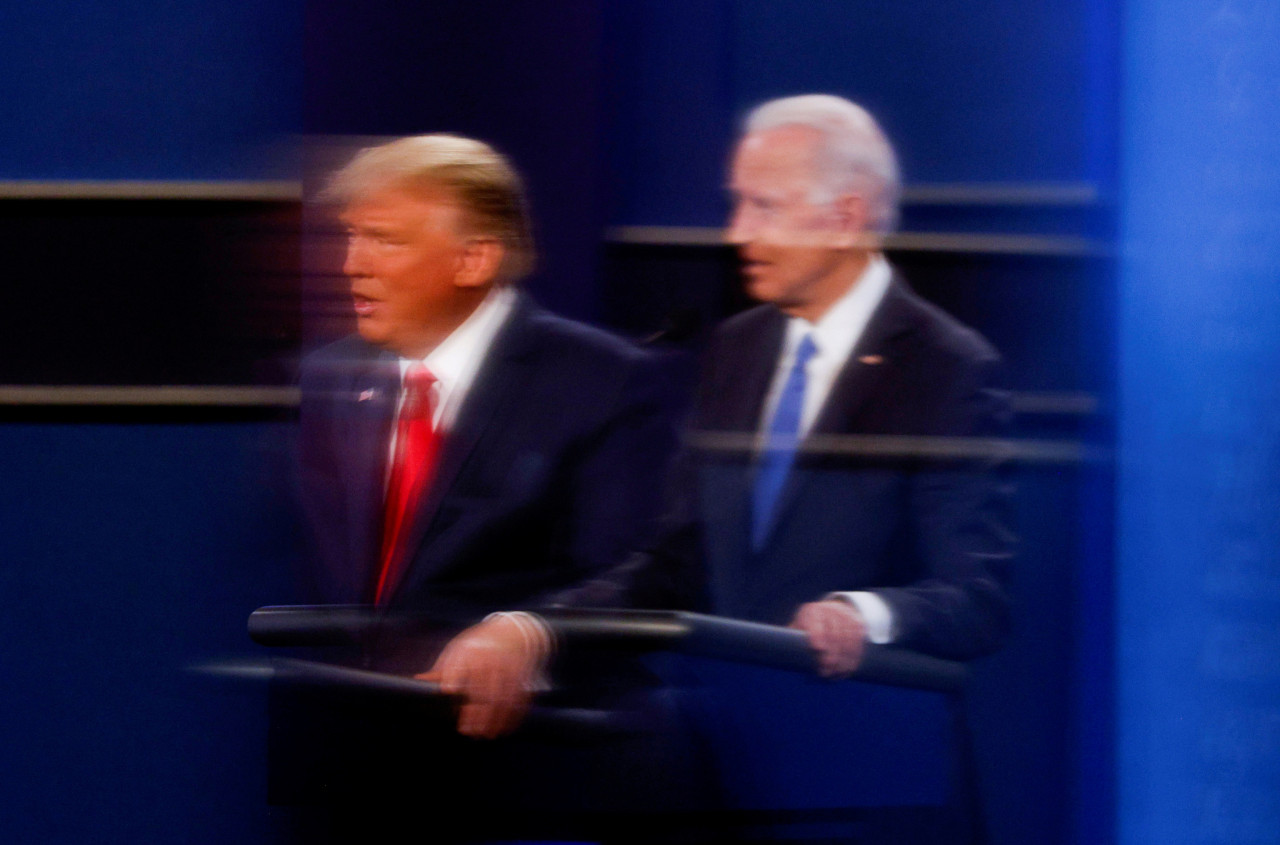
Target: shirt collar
837 331
459 354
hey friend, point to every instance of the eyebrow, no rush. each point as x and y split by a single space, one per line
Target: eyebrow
374 228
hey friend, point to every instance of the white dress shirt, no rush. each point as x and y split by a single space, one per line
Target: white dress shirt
834 335
455 363
457 359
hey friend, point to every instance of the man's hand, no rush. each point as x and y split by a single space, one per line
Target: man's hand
494 667
837 635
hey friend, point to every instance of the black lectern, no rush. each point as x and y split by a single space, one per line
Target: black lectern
741 741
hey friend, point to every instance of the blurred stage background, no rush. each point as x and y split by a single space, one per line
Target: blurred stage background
1093 185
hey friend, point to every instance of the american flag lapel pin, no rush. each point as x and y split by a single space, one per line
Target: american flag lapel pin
366 395
871 359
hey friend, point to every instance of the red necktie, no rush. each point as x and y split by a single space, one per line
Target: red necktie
417 444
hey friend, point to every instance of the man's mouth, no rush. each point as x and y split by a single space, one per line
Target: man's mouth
364 306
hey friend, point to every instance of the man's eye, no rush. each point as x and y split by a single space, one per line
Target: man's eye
755 204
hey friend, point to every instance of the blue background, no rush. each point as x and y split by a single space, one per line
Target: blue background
1138 703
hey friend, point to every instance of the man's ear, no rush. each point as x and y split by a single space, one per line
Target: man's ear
853 218
480 262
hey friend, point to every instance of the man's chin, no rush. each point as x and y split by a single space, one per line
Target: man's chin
760 290
372 332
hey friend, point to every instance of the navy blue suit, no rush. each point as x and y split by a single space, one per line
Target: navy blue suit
928 533
551 470
549 474
883 497
873 502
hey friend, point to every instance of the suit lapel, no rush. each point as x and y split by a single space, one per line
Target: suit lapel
493 385
374 390
752 369
870 360
872 357
735 405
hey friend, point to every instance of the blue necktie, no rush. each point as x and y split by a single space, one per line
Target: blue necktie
780 446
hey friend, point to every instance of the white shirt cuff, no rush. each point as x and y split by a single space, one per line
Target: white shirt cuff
875 613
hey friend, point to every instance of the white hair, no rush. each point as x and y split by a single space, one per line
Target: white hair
855 154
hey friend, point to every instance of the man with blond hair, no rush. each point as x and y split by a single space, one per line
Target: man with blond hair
465 452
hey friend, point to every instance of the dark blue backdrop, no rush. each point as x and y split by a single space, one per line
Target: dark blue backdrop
131 553
130 550
139 89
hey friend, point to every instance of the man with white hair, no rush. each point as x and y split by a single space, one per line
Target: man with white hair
835 481
853 548
812 499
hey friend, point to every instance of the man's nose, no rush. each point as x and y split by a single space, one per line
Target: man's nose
355 263
740 228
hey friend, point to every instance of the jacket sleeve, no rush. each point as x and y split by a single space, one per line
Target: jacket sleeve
959 517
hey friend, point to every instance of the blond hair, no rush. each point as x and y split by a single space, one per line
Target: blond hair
476 176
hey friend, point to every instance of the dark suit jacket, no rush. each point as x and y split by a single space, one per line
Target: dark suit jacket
929 533
895 514
552 469
551 472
